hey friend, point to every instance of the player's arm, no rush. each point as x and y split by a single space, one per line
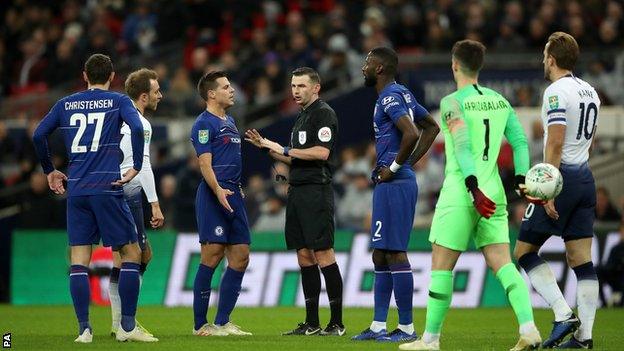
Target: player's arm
203 149
556 122
254 137
205 166
146 178
130 115
40 140
323 138
454 118
429 130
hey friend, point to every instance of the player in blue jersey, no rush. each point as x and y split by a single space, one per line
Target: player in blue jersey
397 119
219 208
91 122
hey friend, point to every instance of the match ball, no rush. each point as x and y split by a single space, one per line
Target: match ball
543 181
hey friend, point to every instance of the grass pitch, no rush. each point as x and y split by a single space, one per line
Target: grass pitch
54 328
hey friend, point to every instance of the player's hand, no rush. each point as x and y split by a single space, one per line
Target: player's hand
252 136
222 195
126 177
550 210
521 190
55 182
157 220
384 174
482 203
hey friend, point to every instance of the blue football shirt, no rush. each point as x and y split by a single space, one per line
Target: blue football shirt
394 102
91 123
219 137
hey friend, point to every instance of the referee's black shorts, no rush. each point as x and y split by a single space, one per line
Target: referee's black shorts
310 217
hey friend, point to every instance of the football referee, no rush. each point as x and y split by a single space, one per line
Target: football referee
310 206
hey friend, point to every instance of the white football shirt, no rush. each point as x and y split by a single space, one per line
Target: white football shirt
145 178
572 102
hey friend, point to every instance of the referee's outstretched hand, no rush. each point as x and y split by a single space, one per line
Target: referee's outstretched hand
252 136
222 195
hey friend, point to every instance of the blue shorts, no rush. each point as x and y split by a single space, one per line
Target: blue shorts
134 197
394 204
92 217
575 204
216 224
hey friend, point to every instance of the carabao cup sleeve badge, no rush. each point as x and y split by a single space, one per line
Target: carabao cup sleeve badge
203 136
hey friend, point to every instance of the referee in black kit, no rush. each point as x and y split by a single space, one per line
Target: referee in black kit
310 207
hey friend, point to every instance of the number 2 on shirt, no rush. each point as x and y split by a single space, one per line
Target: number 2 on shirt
81 120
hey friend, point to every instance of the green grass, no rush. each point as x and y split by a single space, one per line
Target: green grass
54 328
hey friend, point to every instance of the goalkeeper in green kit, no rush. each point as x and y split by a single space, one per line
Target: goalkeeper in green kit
472 203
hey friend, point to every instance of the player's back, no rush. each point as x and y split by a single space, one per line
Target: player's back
572 102
485 113
91 122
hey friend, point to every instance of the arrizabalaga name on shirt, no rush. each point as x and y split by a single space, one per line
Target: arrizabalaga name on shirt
485 105
89 104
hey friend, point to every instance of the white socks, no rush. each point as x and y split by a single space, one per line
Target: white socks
587 301
115 301
407 328
377 326
429 337
528 328
544 282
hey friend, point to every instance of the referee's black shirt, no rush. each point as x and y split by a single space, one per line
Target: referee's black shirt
317 125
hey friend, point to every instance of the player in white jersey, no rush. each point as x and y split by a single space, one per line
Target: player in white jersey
569 112
143 89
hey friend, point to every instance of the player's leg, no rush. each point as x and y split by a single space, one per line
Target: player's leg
382 288
492 238
448 240
80 289
113 293
498 259
578 235
333 282
237 259
403 287
578 255
311 284
82 233
211 255
118 230
133 197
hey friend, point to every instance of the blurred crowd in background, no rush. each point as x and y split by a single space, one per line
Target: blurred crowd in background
43 45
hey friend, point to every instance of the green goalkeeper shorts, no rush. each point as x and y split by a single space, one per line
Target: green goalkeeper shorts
453 227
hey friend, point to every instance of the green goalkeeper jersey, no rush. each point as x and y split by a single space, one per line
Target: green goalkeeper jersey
478 118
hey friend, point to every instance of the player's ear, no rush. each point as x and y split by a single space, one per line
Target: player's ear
379 69
84 76
316 88
111 77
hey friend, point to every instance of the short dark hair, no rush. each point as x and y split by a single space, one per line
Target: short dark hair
209 82
470 54
98 68
139 82
388 59
307 71
564 48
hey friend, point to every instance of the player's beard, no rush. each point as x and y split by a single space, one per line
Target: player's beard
370 81
547 73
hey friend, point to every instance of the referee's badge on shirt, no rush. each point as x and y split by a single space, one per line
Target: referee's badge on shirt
302 137
324 134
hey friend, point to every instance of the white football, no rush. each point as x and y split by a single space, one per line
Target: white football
544 181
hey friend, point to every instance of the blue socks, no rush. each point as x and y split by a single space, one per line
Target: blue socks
81 294
228 294
201 294
129 293
383 292
403 283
